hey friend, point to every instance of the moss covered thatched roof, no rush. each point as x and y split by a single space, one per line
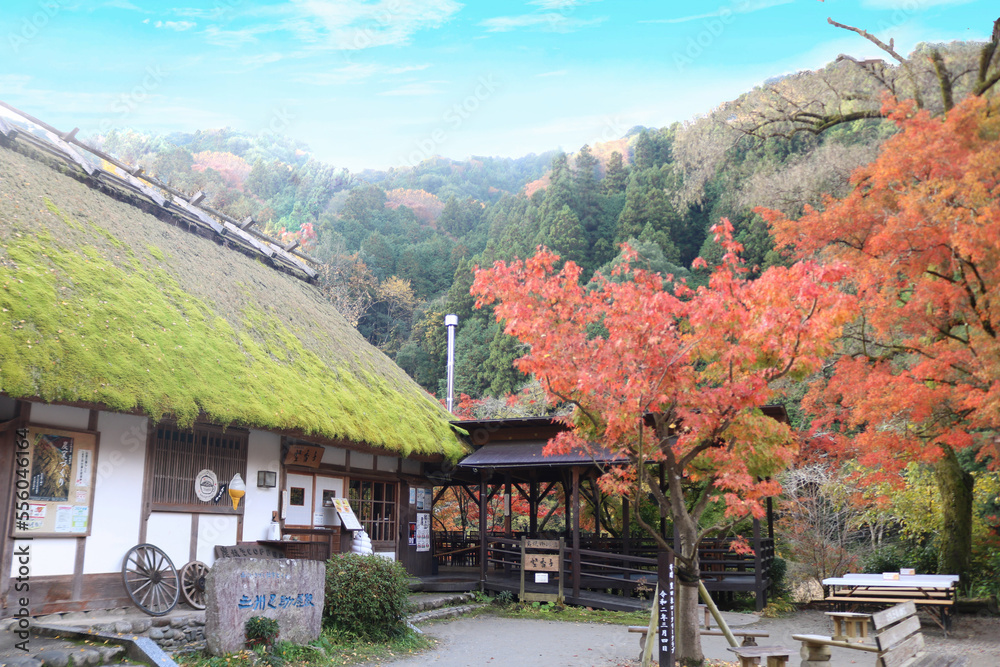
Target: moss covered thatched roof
103 303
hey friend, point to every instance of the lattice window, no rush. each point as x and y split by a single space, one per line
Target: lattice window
179 455
374 503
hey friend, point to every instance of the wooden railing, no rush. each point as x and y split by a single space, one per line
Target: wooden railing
722 568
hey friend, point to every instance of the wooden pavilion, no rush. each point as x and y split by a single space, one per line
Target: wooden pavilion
508 459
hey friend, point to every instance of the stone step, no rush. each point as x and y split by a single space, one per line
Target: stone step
444 612
426 601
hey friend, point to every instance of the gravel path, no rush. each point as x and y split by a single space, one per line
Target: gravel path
491 640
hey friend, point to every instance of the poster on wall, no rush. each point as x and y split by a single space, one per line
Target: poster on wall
54 482
423 531
424 499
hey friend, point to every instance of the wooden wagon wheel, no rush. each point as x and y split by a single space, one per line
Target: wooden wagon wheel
150 579
193 583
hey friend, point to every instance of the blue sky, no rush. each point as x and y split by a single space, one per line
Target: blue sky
385 83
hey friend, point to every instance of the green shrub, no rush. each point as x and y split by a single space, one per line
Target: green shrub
779 581
366 596
893 557
260 630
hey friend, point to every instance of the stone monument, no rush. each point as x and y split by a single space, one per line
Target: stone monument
289 591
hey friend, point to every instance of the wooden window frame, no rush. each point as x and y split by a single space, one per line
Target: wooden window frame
179 467
387 526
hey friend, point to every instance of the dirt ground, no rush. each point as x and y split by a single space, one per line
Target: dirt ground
492 640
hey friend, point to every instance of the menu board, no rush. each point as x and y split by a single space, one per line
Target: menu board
54 472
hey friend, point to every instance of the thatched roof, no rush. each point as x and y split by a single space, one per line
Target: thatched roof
105 304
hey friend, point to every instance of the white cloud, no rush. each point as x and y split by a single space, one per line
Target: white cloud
560 4
547 22
233 38
403 69
355 24
179 26
738 7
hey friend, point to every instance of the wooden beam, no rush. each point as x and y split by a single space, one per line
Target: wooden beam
200 215
245 223
6 129
483 550
71 135
291 246
196 198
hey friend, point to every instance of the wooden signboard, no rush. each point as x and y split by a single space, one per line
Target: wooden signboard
304 455
54 474
346 514
543 563
666 605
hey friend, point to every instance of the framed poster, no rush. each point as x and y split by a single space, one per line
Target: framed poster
54 482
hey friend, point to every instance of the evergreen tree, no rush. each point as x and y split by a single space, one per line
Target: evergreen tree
615 175
499 365
566 237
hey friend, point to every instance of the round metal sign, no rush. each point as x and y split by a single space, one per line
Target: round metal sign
206 485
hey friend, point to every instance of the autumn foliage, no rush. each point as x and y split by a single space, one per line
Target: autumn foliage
667 374
920 233
920 376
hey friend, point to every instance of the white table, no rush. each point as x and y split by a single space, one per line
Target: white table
935 591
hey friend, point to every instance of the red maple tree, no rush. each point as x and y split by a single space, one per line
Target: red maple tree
673 376
920 233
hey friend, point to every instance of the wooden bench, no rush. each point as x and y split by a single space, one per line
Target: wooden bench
749 637
898 643
849 626
750 656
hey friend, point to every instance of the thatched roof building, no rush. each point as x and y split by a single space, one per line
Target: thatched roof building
109 300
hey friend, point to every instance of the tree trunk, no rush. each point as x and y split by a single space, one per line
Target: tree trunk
687 630
955 540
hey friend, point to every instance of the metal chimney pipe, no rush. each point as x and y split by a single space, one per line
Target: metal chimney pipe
451 323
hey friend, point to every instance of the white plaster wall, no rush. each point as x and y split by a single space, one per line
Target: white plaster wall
387 463
334 456
362 461
411 467
219 529
49 556
171 532
117 491
263 452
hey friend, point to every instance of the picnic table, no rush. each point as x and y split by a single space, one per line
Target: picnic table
936 592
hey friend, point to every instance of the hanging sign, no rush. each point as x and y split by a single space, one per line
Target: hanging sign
206 485
304 455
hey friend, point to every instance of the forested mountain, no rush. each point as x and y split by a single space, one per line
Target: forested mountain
399 246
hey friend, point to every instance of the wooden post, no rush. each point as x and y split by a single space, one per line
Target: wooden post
507 531
760 593
626 524
770 518
576 533
598 501
483 550
533 506
666 604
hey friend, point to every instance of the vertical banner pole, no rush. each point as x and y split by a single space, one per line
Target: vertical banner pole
666 602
